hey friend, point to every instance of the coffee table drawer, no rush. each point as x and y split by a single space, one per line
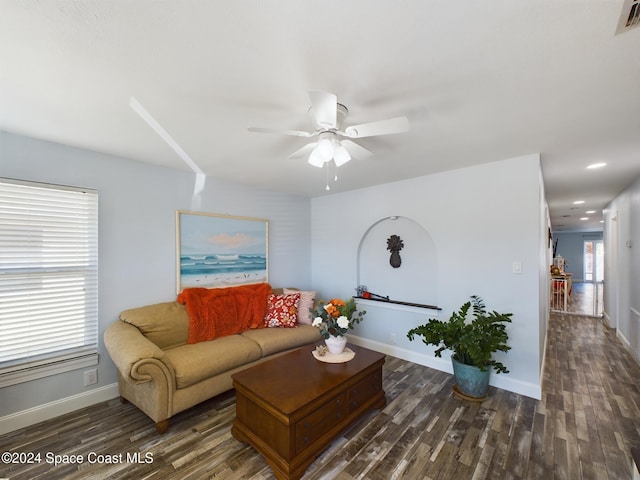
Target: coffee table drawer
364 390
316 424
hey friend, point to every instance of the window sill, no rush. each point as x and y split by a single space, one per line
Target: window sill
53 368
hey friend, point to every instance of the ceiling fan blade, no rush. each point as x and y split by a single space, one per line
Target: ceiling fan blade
295 133
304 151
325 108
382 127
355 150
137 107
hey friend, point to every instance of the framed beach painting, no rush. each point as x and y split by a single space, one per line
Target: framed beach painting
220 250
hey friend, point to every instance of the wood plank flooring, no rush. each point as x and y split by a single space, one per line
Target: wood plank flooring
584 427
582 301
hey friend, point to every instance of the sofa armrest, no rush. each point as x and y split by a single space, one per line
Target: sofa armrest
137 359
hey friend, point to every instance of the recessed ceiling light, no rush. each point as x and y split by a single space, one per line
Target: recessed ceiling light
584 218
596 165
578 202
590 211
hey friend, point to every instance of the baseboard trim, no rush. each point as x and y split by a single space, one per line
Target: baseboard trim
50 410
608 319
498 381
627 345
544 356
625 342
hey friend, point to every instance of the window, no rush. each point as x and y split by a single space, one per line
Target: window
48 280
588 261
593 261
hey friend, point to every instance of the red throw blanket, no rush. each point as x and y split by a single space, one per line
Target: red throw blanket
218 312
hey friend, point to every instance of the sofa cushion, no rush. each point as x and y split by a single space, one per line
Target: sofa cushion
199 361
165 324
273 340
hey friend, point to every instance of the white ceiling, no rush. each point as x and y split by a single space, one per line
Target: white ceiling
480 80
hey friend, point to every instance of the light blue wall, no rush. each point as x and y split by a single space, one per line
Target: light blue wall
622 265
571 248
137 237
481 219
415 279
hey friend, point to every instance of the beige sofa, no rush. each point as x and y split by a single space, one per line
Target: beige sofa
162 375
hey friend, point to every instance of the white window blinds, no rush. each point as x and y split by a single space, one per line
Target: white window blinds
48 280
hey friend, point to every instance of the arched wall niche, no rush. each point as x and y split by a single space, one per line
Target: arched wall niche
416 278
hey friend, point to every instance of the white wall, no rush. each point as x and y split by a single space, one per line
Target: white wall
622 265
137 261
544 273
481 219
415 279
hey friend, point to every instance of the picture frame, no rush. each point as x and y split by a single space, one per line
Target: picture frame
215 250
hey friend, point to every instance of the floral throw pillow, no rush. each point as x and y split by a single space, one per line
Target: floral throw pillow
305 306
282 310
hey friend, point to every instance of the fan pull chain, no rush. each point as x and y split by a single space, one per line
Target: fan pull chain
327 188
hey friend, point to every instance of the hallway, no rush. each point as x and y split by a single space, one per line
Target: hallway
591 384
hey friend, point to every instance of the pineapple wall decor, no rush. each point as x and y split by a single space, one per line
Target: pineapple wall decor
394 245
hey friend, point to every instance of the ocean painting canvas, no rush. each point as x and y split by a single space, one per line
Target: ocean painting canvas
220 250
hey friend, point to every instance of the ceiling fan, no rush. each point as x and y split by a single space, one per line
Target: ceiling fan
329 116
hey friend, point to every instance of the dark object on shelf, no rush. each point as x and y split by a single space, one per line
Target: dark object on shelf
394 245
360 290
373 296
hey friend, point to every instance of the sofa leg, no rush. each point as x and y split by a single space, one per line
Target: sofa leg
162 426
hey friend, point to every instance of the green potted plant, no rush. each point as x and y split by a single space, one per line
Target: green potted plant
472 343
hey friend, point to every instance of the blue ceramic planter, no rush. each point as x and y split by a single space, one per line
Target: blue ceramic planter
470 380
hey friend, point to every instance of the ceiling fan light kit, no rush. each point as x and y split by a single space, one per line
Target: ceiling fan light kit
328 148
325 149
341 156
328 116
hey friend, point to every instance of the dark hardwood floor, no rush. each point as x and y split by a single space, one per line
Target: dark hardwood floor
584 427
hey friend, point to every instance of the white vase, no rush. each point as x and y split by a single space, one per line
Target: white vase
335 345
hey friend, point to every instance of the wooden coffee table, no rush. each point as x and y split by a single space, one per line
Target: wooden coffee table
291 407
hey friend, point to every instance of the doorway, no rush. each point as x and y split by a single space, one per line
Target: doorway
593 261
591 292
